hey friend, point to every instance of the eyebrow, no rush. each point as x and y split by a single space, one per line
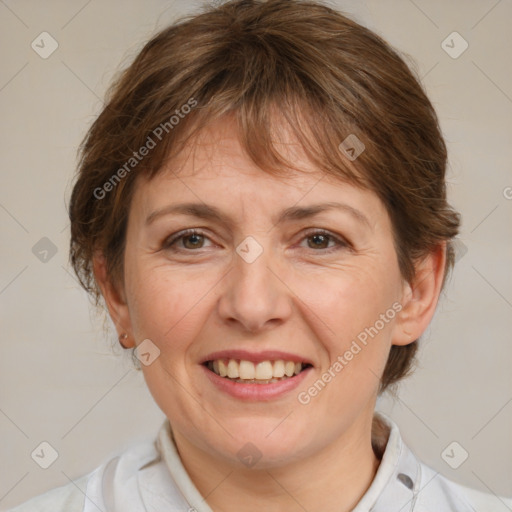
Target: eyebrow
209 212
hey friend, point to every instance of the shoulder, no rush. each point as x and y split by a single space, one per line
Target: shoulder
67 498
403 479
440 493
87 492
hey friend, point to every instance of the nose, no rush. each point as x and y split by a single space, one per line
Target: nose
255 296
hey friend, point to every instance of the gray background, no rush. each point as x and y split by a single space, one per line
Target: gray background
60 380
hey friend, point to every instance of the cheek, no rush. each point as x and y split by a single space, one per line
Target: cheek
355 329
353 312
166 304
350 299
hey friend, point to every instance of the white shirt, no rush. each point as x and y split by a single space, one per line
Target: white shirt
150 477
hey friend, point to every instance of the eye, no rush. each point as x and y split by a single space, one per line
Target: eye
320 238
192 239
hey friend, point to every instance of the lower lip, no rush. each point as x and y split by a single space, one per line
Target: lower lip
256 392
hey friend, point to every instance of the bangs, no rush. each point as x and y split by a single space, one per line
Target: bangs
270 130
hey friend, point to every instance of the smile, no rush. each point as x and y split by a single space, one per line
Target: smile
262 372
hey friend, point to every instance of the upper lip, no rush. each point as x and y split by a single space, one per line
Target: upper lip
255 357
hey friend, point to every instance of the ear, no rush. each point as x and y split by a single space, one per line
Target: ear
420 297
114 298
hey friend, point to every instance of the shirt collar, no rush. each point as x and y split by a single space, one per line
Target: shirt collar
397 480
394 487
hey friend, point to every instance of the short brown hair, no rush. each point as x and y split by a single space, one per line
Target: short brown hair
325 75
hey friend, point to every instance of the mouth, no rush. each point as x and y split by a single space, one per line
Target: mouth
242 371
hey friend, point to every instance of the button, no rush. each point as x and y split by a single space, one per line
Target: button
406 480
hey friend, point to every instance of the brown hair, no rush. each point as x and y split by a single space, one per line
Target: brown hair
323 74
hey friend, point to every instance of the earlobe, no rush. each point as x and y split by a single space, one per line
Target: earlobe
113 295
420 297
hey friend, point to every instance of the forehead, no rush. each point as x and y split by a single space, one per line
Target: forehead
215 168
216 153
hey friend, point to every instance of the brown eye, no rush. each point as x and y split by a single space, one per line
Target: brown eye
191 239
321 240
194 239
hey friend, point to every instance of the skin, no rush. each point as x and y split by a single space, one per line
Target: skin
199 296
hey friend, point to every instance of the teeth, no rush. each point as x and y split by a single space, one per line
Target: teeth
223 369
289 368
233 369
246 370
264 371
279 368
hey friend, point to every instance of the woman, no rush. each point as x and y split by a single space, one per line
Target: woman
262 207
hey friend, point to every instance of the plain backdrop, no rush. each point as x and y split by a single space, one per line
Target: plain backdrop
61 382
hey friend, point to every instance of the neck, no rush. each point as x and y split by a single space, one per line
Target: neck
332 480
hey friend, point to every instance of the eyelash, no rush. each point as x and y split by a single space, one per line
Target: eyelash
340 243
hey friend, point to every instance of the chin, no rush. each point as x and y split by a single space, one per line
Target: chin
269 440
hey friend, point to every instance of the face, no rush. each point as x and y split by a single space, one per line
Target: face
266 282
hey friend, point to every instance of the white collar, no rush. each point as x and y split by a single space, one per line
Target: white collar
397 481
150 477
394 487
